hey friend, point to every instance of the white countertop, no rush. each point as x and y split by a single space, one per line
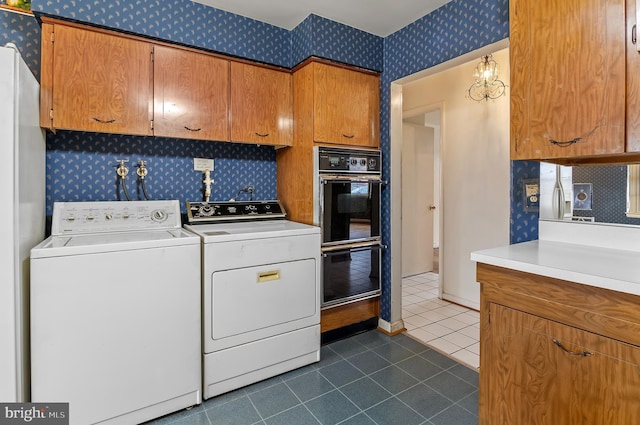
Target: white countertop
608 268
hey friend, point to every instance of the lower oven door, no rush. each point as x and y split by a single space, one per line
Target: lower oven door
350 272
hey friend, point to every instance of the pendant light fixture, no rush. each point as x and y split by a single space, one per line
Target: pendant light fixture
487 85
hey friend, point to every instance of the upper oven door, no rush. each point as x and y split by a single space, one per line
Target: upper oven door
350 209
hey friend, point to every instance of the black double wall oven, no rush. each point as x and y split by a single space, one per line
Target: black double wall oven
348 184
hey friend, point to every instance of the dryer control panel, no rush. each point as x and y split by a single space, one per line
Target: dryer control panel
71 218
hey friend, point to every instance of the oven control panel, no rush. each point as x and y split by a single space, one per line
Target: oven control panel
352 161
210 212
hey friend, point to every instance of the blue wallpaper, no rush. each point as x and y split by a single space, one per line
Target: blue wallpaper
609 197
81 167
24 32
456 28
318 36
524 225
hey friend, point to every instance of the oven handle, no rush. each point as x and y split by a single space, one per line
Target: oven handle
355 247
358 179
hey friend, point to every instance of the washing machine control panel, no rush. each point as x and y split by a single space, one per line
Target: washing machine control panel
70 218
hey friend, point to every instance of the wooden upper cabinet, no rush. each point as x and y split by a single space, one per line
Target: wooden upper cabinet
633 79
93 81
191 95
346 106
335 104
261 105
567 78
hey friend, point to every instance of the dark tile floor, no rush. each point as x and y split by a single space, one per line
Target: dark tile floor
366 379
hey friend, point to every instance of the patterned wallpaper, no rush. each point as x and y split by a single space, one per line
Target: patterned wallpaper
318 36
609 197
24 32
456 28
524 225
81 167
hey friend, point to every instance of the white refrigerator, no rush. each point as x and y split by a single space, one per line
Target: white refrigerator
22 215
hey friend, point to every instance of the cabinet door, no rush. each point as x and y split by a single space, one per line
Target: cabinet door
191 95
346 106
543 372
633 79
261 105
100 82
567 78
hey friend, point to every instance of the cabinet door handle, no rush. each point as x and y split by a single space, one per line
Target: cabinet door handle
573 353
262 134
111 121
634 36
348 136
192 129
565 144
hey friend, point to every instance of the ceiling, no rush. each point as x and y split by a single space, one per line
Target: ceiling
379 17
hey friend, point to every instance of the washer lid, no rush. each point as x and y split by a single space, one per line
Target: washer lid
55 246
223 232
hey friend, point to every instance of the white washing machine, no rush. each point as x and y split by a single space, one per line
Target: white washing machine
115 312
261 292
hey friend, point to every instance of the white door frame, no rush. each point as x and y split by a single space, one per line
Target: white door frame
395 161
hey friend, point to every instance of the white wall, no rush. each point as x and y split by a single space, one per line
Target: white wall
475 171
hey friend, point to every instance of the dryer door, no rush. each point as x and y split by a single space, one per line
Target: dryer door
257 302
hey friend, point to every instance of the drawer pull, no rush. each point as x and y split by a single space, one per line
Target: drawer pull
262 134
192 129
104 121
565 144
348 136
268 276
573 353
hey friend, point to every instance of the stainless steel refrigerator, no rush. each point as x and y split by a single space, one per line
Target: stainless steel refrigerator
22 215
556 192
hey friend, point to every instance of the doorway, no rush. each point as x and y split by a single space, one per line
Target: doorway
474 204
421 188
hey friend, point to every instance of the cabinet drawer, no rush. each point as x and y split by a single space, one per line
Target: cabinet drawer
597 310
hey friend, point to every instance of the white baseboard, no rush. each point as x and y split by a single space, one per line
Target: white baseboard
391 327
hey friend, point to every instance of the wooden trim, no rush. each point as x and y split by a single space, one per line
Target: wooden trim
46 77
111 31
314 59
16 9
621 158
348 314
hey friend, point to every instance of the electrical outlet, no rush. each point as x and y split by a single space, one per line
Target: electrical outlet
202 164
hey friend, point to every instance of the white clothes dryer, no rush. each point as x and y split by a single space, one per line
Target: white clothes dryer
261 292
115 312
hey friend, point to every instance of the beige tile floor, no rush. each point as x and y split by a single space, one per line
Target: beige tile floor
449 328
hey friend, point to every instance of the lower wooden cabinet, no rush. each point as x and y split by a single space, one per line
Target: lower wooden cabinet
547 356
549 373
